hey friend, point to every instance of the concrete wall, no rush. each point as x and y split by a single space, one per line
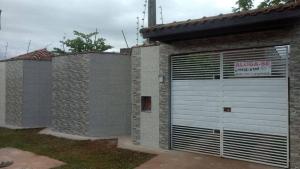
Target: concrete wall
91 94
36 94
150 87
2 93
109 95
14 93
70 88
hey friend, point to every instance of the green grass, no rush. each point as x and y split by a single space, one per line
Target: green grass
76 154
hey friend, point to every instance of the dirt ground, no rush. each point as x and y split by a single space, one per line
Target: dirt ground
27 160
182 160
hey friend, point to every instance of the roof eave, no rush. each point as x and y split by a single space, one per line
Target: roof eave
221 24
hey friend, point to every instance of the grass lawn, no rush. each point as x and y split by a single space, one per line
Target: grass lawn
77 154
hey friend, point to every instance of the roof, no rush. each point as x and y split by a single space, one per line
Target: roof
40 55
280 12
91 52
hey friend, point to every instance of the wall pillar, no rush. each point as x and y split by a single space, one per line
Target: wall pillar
136 95
294 103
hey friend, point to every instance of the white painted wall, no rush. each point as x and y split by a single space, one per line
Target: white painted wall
150 87
2 93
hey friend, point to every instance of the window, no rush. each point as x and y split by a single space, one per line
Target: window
146 103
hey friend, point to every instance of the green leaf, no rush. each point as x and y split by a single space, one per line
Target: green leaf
245 5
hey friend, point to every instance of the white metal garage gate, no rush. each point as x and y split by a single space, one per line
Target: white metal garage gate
232 104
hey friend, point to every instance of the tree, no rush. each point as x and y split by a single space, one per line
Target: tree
83 43
245 5
269 3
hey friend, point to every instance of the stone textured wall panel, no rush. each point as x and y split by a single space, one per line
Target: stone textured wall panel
294 75
136 95
70 102
164 97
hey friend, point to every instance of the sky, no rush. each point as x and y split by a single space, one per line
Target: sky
46 22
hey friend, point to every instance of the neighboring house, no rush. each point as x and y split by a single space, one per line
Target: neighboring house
28 90
225 85
91 94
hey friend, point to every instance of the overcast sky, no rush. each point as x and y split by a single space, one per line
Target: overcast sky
45 22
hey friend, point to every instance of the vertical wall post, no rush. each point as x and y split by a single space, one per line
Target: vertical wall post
222 103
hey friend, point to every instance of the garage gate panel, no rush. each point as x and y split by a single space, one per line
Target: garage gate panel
196 101
222 108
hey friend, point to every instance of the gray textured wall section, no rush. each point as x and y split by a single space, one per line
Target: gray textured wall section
70 86
14 93
2 93
36 94
109 95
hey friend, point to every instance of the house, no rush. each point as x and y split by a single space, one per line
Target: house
28 90
226 85
91 94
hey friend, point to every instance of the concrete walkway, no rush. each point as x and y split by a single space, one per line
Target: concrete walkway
181 160
166 159
27 160
48 131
